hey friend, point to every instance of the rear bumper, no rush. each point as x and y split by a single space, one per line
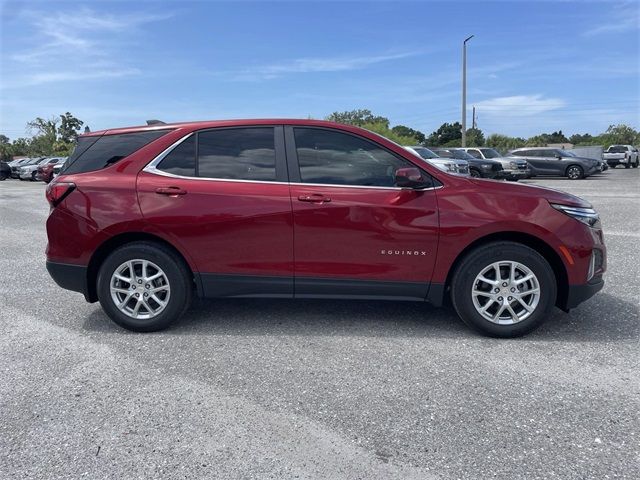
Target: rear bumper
69 277
579 293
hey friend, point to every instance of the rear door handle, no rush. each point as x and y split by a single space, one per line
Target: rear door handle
314 198
171 191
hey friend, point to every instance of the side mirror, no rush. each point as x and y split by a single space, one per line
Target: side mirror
559 157
409 177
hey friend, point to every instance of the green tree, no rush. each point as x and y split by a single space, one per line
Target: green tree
382 128
578 139
357 117
445 135
69 128
20 147
409 132
504 143
620 134
475 137
6 152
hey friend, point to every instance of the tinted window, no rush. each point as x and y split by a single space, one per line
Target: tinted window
330 157
182 159
474 153
94 153
444 153
523 153
617 149
237 153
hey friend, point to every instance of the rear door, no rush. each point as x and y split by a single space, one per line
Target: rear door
222 195
356 234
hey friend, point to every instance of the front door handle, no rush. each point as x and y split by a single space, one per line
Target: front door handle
171 191
314 198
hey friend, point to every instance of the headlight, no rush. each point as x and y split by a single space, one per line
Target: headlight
486 165
513 165
588 216
450 167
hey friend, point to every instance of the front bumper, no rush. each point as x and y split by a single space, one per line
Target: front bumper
577 294
515 174
26 175
69 277
612 162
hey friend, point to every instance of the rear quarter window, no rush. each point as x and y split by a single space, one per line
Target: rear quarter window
95 153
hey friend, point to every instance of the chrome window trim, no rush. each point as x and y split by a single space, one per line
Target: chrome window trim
151 167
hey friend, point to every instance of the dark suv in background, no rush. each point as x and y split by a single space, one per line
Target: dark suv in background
557 162
478 168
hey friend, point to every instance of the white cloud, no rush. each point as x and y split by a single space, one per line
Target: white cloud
624 17
314 65
82 41
519 105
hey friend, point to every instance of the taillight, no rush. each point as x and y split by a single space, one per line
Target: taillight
57 191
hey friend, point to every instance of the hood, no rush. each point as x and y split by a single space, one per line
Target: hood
516 189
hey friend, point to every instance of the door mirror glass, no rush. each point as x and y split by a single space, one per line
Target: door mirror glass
409 177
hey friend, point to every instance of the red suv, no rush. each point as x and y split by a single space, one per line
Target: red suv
144 217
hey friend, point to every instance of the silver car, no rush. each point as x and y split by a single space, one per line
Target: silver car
514 168
451 165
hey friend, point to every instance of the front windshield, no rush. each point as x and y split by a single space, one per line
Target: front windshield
425 153
462 155
490 153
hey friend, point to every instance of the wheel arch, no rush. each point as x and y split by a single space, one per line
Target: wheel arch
116 241
531 241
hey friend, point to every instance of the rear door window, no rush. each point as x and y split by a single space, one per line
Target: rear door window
181 160
237 154
95 153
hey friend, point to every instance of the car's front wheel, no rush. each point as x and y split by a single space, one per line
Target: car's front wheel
474 173
575 172
144 286
503 289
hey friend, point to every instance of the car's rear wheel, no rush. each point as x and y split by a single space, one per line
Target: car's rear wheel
575 172
144 286
503 289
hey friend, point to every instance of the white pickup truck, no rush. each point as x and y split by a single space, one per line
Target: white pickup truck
626 155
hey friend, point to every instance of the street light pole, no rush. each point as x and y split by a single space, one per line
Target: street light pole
464 90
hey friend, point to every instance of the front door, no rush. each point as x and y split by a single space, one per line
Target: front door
355 233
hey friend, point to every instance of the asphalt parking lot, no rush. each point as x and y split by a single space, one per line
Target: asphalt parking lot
317 389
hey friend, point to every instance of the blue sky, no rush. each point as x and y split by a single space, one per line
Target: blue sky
533 66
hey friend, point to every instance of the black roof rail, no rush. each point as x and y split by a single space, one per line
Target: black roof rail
155 122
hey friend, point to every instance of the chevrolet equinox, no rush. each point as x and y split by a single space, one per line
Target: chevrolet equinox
144 218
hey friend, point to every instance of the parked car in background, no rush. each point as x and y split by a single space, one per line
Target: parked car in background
45 169
514 168
451 165
626 155
557 162
5 170
56 170
477 168
16 164
29 171
144 218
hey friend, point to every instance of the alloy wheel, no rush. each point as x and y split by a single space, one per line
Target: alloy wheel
140 289
505 292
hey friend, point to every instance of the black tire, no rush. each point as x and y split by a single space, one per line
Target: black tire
635 165
476 261
178 275
627 165
33 176
574 172
474 173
